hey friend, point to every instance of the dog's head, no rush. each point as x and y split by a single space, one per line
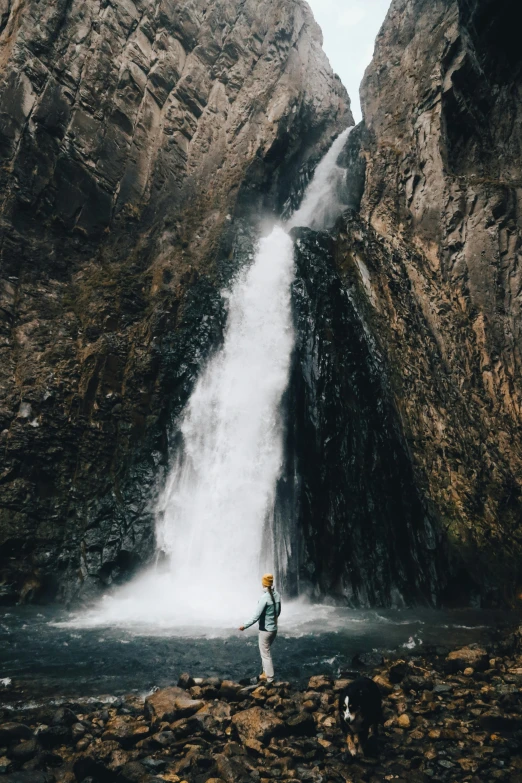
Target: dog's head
351 707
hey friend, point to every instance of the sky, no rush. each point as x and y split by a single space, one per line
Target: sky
349 29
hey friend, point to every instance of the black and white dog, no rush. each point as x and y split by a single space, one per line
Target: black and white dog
360 709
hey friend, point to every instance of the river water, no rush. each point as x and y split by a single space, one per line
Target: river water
45 653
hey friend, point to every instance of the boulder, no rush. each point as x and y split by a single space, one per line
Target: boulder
170 704
186 681
25 751
54 736
258 724
398 671
64 717
473 657
125 730
301 725
320 683
9 732
232 770
229 690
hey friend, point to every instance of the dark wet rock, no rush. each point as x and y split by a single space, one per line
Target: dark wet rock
301 725
474 657
170 704
134 772
53 736
398 671
25 751
30 777
125 731
186 681
10 732
232 769
368 660
64 717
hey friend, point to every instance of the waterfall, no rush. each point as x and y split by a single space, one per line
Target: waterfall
215 512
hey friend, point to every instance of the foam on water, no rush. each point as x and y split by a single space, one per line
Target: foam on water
214 517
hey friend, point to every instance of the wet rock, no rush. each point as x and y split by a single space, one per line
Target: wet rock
125 731
24 751
398 671
54 736
31 777
134 772
368 660
170 704
301 725
474 657
64 717
257 724
229 690
10 732
185 681
232 770
5 765
500 723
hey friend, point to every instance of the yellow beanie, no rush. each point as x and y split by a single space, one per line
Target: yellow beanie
268 580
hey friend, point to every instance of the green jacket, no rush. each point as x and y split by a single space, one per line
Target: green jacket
265 612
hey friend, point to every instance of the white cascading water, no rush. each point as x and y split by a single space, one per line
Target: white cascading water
218 500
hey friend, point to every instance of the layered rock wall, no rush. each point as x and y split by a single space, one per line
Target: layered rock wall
437 253
136 139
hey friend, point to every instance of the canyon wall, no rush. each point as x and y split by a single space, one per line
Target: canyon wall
137 140
432 253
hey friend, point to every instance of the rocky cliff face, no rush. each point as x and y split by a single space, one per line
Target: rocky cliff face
137 137
434 259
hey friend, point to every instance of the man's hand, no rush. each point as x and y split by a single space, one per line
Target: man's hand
241 627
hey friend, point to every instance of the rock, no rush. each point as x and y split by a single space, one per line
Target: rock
320 683
404 721
125 731
229 690
64 717
54 736
368 660
10 732
24 751
232 770
257 724
301 725
87 766
500 723
398 671
5 765
170 704
186 681
134 772
383 683
474 657
31 776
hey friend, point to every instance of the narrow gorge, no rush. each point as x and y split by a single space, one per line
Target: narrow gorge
146 147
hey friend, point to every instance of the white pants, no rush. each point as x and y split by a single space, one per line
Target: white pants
266 640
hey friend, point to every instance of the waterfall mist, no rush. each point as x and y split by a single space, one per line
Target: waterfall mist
215 514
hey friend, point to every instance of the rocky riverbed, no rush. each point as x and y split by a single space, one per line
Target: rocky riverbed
453 716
